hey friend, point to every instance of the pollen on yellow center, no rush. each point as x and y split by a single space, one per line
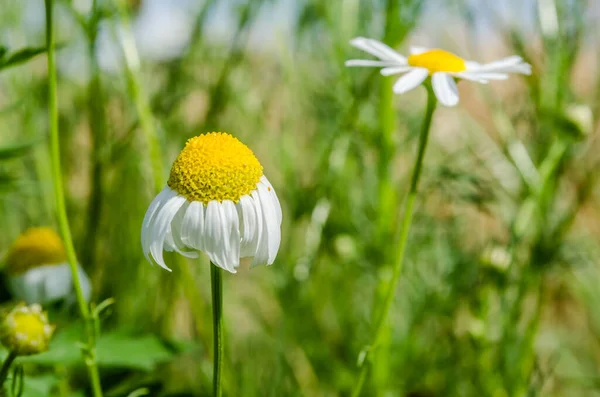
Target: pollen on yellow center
438 61
35 247
215 166
29 324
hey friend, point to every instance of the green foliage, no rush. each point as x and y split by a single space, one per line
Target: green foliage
15 58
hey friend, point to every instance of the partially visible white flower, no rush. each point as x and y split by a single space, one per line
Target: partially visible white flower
37 269
442 66
48 283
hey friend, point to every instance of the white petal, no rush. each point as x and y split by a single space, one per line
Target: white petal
378 49
232 238
158 202
416 50
48 283
216 238
159 227
192 226
276 203
395 70
261 254
250 225
271 221
481 76
512 64
445 89
173 240
368 62
410 80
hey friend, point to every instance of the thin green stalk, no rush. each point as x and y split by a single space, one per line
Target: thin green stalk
6 367
61 210
132 65
406 222
217 302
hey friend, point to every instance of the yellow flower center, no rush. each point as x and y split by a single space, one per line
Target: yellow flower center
215 166
30 325
438 61
35 247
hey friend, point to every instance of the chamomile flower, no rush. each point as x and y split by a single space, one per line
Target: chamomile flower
25 330
217 201
442 66
37 269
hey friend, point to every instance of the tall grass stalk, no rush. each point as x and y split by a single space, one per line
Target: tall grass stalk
89 350
132 66
404 233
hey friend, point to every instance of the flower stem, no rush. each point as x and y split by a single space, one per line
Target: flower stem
6 367
61 210
401 250
217 302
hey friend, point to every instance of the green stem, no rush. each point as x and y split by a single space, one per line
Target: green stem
61 210
400 253
217 302
132 65
6 367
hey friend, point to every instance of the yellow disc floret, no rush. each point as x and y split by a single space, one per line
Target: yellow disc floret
438 61
25 330
35 247
215 166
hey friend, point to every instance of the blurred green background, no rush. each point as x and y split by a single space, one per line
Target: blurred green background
499 295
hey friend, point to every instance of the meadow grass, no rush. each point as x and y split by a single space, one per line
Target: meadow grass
499 291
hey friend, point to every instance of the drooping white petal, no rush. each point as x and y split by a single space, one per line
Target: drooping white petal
173 240
216 239
47 283
158 227
378 49
232 236
395 70
158 202
192 226
261 254
250 225
369 62
271 220
274 197
410 80
445 89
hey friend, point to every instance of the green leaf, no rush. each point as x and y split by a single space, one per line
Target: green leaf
123 350
63 348
39 386
20 56
15 149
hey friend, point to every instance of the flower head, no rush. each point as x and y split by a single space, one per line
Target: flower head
25 330
442 66
218 201
37 269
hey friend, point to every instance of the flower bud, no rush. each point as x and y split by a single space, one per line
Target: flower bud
25 330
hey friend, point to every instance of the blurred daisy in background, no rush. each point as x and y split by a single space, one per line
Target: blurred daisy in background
442 66
37 270
217 201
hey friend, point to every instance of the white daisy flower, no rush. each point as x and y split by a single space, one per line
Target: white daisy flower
37 269
217 201
442 66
